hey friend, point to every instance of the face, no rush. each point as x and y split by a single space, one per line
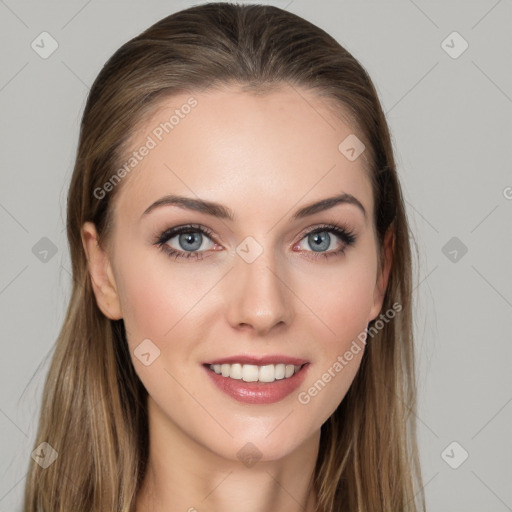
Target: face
268 281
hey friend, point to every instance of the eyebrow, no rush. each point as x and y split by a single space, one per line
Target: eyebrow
222 212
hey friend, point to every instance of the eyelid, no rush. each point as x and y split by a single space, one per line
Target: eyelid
185 228
343 231
169 233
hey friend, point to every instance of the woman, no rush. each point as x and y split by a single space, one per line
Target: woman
240 326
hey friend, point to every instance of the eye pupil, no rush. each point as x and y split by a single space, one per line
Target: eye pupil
188 238
323 238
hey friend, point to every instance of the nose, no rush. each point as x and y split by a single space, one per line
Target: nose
258 296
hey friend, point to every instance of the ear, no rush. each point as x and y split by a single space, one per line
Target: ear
100 270
382 278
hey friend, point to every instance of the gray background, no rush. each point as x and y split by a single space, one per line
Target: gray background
451 122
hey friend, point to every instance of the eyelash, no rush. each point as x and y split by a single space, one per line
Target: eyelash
346 235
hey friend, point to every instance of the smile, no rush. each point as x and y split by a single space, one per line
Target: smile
257 384
254 373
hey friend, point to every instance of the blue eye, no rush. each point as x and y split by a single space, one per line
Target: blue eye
191 238
320 239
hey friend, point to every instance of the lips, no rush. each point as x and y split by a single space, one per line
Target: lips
258 393
258 360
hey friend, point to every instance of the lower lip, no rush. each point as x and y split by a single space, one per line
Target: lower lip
258 392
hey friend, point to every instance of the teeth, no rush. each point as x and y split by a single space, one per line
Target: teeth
254 373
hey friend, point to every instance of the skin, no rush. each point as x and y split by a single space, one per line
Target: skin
264 157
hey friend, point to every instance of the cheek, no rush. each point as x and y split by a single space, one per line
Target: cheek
344 309
159 304
153 299
341 300
147 307
164 301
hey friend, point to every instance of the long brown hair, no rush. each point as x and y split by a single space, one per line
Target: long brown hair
93 413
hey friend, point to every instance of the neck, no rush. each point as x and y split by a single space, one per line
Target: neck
183 475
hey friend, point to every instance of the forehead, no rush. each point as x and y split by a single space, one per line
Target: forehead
231 146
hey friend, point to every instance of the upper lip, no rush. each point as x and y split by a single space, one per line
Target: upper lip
259 360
